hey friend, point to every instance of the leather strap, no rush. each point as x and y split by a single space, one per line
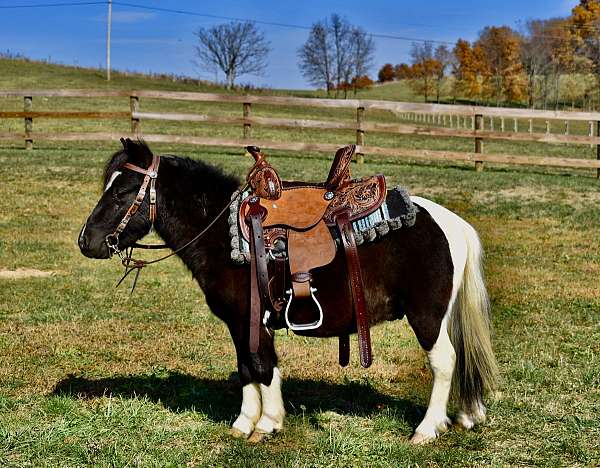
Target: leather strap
279 282
356 286
344 350
259 276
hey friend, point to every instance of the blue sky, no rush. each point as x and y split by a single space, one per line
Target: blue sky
164 42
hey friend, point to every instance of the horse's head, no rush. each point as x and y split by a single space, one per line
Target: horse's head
105 230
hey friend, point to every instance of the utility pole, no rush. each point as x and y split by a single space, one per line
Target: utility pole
108 27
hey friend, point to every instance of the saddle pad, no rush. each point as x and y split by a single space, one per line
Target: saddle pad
395 212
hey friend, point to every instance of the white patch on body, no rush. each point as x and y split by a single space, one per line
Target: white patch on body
250 411
273 411
113 176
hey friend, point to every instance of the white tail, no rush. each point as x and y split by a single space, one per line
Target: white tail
476 369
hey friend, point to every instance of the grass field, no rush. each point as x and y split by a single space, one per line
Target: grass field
90 376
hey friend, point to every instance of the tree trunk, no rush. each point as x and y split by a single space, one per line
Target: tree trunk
230 79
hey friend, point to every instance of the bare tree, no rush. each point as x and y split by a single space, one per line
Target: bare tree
420 52
336 54
316 57
235 48
363 49
445 58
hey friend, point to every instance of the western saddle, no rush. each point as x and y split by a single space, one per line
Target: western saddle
293 228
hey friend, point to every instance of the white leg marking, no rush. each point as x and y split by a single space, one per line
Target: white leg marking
273 411
113 176
469 419
442 356
250 411
442 359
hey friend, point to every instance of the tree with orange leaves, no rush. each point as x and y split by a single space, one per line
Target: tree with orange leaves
585 22
502 48
471 71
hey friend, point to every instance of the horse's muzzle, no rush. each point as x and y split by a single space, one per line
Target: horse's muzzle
90 245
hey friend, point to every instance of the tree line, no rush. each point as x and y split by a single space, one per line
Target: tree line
548 62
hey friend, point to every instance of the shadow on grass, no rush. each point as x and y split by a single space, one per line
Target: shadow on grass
220 399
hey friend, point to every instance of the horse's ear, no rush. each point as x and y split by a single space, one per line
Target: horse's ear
137 151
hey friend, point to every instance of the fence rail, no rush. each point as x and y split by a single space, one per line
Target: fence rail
473 124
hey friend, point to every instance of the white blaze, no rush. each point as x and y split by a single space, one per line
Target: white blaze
112 179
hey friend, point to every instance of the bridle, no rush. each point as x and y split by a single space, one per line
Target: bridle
150 175
112 240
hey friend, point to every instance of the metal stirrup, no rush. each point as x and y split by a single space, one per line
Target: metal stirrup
305 326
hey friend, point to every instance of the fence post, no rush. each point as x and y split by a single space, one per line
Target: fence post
247 125
28 107
598 148
134 105
478 141
530 125
360 134
501 124
547 126
516 125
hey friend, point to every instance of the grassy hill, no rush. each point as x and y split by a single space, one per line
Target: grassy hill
29 74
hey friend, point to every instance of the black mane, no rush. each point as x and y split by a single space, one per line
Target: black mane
191 171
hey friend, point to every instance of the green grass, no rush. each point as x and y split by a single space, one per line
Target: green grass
90 376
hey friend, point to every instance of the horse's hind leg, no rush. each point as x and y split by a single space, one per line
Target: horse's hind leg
442 359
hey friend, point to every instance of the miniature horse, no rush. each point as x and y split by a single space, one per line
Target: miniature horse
430 273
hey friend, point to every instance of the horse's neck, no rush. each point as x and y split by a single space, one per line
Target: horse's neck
185 211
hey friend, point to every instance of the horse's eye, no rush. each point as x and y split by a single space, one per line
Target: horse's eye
119 194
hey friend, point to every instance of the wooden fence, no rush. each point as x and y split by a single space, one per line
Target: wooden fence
440 121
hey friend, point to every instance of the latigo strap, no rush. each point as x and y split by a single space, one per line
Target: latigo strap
356 286
259 276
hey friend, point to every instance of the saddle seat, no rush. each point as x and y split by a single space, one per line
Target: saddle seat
294 222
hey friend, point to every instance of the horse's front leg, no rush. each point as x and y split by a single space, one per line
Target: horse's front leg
273 412
262 410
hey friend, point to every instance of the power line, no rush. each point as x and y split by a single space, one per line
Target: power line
45 5
267 23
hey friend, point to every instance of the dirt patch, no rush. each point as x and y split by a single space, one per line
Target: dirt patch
21 273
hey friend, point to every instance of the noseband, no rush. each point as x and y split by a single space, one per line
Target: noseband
150 175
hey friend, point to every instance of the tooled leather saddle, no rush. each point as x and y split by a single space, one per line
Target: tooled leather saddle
294 228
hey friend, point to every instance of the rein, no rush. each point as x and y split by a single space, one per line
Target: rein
112 240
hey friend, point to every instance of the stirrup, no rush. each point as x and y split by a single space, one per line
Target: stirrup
305 326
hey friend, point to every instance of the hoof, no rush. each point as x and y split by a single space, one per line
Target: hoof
421 439
465 421
258 437
236 433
